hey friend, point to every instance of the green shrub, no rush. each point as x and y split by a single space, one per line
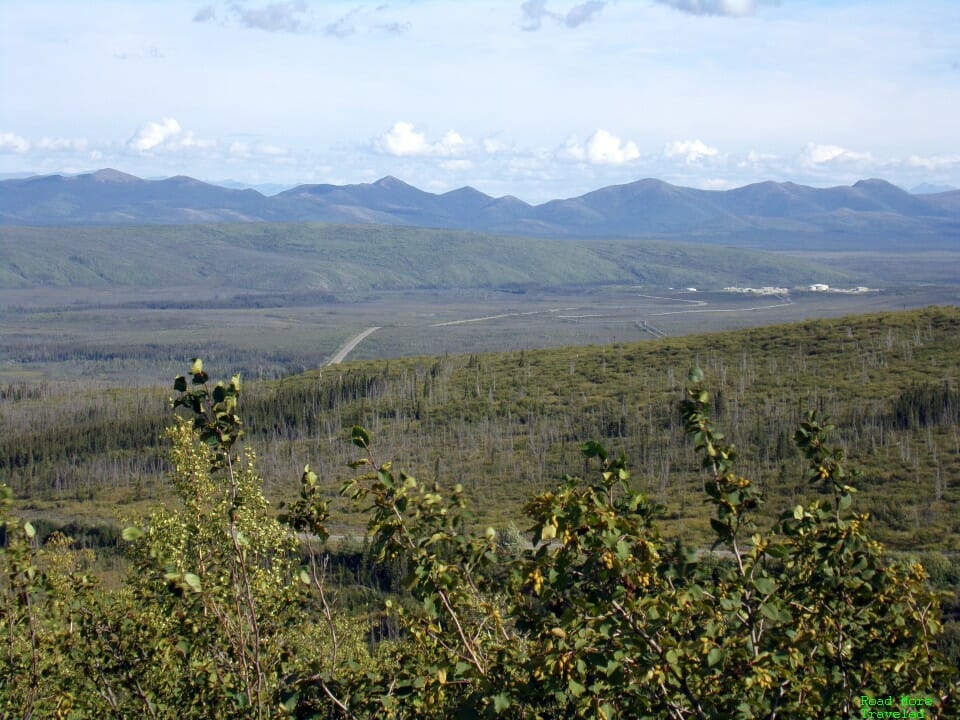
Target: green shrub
229 611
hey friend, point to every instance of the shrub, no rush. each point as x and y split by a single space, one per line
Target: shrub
227 610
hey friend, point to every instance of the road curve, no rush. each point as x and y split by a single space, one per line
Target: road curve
349 345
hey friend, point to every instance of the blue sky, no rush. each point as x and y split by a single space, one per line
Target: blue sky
536 98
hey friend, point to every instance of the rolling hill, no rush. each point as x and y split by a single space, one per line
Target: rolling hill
318 258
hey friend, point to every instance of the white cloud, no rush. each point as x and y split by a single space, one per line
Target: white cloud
272 150
343 26
62 144
166 135
493 146
690 151
205 14
239 149
9 142
450 144
404 140
934 162
815 154
153 134
573 150
277 17
395 28
605 148
242 150
582 13
728 8
534 12
754 159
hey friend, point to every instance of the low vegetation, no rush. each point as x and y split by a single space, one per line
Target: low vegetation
226 610
505 425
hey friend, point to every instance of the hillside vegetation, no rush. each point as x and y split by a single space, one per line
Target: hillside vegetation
228 611
314 258
508 424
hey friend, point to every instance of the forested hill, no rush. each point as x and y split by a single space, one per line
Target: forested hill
506 425
868 214
320 258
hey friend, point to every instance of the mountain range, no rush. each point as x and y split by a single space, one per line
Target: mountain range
869 214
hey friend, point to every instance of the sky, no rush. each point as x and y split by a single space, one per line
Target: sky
538 99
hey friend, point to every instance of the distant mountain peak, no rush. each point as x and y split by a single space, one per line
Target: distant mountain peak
763 213
465 191
111 175
389 181
876 183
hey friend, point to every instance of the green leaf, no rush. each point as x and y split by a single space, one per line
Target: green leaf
192 581
29 530
130 534
772 611
714 656
360 437
720 528
592 448
288 701
501 702
777 551
695 376
575 688
765 585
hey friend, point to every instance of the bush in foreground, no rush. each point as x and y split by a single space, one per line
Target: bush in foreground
227 611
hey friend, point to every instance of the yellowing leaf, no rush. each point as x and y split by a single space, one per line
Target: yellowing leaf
549 531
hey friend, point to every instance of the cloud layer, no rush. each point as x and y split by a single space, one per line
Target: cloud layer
690 151
535 12
278 17
536 98
727 8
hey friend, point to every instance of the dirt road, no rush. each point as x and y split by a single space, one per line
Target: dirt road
349 345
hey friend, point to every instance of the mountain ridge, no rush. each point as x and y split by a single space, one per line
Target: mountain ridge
869 209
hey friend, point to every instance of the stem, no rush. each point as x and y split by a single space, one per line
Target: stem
655 646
